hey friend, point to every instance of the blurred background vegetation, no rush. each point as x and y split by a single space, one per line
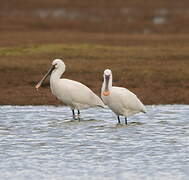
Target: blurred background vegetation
145 43
131 16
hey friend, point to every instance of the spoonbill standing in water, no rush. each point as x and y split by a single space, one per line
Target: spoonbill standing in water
72 93
120 100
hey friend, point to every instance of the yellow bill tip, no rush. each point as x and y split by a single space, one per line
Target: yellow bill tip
37 87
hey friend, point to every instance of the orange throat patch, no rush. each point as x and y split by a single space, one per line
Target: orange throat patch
106 93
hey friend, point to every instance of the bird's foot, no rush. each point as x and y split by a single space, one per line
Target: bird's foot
76 117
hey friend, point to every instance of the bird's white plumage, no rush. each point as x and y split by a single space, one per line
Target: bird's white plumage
120 100
74 94
71 93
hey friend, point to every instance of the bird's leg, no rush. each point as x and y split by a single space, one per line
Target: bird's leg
78 115
118 120
73 113
125 120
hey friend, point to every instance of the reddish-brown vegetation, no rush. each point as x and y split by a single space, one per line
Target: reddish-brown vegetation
155 67
145 43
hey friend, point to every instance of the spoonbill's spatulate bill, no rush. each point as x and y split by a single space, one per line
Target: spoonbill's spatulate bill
120 100
72 93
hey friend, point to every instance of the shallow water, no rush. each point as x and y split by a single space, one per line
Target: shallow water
44 142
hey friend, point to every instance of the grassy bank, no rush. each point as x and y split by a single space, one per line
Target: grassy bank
154 67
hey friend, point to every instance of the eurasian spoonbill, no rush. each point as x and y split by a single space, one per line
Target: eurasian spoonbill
120 100
72 93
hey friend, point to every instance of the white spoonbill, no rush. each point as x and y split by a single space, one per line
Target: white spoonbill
120 100
72 93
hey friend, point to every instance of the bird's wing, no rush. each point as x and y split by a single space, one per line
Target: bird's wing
128 99
80 93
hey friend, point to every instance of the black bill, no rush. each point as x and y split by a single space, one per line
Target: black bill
107 78
45 76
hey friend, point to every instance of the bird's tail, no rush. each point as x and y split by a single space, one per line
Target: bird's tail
102 106
98 102
143 109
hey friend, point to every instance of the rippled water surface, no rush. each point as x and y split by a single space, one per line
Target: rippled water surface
44 142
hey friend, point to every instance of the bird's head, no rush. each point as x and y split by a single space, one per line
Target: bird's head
107 76
56 64
107 72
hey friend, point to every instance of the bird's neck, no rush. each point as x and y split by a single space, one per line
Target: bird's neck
55 75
